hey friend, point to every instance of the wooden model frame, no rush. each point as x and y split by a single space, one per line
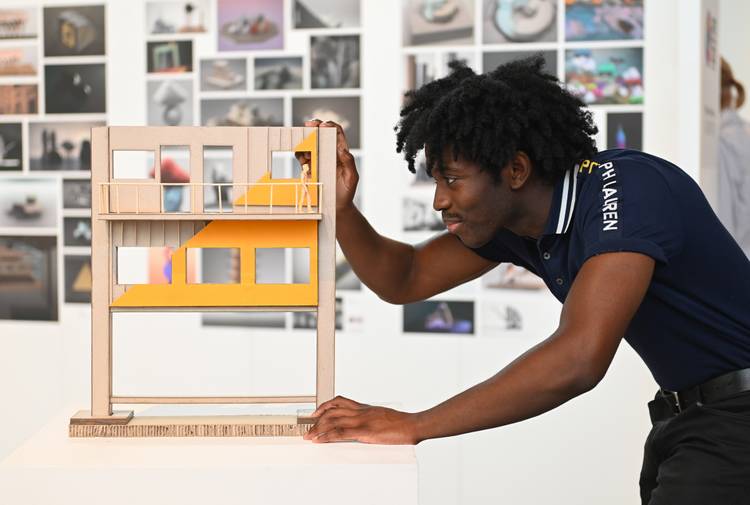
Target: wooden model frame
263 213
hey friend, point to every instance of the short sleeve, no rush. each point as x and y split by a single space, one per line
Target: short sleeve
628 206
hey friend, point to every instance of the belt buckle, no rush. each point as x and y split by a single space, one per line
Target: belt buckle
674 396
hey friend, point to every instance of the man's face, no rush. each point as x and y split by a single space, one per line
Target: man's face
474 203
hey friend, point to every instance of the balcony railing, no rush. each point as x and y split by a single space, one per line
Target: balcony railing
130 197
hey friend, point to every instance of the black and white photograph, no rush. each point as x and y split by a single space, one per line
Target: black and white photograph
61 145
519 21
75 89
78 279
334 61
625 130
28 278
438 22
499 319
439 316
421 68
223 74
326 14
283 72
419 215
76 194
170 102
29 203
344 110
242 112
170 56
11 147
77 231
177 16
272 320
74 31
346 279
493 59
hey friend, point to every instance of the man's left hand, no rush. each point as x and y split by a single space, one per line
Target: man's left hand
342 419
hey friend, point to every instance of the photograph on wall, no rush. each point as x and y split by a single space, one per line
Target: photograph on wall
420 178
75 88
28 278
326 14
11 147
597 20
78 278
421 68
497 319
170 102
242 112
272 320
76 194
446 22
77 231
18 23
510 276
284 72
492 60
625 130
28 203
223 74
418 214
309 320
605 76
74 31
18 61
343 110
19 99
435 316
515 21
250 26
334 61
61 145
169 57
176 16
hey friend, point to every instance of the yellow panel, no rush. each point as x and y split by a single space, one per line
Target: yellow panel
284 195
245 236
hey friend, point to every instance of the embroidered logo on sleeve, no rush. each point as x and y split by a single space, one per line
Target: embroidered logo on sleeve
610 197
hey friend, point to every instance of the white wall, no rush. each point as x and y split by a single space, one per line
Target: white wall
587 451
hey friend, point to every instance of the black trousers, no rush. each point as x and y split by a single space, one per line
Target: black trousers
699 456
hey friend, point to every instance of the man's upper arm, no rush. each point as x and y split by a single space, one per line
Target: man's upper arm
439 264
603 299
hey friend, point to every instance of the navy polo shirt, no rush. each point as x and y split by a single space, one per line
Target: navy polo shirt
694 321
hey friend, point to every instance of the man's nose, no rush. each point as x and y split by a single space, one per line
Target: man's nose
440 202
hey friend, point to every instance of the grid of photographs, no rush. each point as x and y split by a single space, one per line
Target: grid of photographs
53 65
595 48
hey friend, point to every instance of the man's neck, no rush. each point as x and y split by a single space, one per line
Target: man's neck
534 211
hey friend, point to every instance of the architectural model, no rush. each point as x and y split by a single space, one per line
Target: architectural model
130 189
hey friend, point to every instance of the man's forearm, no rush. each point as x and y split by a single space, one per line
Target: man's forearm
381 263
543 378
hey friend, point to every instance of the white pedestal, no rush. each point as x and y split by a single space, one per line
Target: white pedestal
52 468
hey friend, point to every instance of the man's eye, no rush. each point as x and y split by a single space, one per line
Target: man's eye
450 180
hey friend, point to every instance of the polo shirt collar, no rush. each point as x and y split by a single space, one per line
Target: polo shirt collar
563 203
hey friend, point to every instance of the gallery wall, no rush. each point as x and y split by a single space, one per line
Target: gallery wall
156 63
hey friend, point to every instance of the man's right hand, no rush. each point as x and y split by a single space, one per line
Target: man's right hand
346 170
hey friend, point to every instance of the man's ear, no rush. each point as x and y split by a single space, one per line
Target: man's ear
519 170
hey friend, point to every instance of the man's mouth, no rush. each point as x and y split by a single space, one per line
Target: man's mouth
452 224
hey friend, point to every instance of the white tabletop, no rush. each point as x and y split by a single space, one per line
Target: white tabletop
52 468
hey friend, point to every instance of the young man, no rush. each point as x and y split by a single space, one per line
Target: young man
625 240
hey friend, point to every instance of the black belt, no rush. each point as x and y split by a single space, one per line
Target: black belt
721 387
